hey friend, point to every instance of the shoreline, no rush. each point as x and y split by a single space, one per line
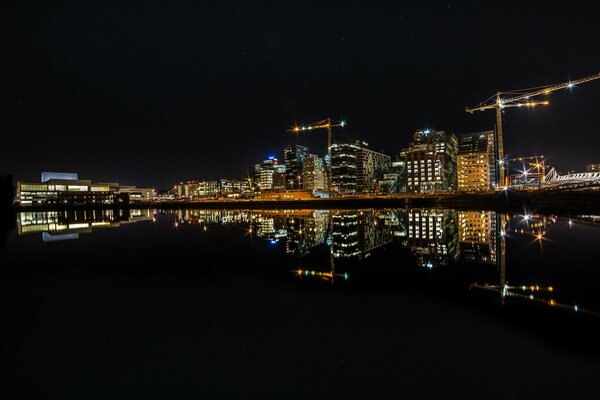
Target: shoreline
538 201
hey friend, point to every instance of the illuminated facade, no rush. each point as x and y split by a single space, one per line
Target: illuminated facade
235 187
270 175
476 167
354 167
431 162
77 191
343 165
196 189
392 180
369 166
293 155
313 173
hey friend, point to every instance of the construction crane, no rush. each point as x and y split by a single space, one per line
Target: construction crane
324 124
518 98
328 124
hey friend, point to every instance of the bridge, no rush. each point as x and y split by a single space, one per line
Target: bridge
579 180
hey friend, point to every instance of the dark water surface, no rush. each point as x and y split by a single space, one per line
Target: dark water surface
414 303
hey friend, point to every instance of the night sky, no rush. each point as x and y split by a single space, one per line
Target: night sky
153 94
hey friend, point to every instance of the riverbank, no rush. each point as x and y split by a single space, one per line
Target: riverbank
574 202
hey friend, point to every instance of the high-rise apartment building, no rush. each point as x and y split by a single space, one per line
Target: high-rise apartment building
293 156
313 173
264 173
343 165
476 166
431 162
354 167
369 166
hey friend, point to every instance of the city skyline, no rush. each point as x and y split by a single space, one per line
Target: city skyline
157 95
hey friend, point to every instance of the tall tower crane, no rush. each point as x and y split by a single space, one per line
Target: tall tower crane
518 98
328 124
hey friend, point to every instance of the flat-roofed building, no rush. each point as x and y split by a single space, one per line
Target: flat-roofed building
431 162
369 166
476 167
77 191
313 173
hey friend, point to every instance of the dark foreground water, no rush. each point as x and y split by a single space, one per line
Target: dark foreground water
300 304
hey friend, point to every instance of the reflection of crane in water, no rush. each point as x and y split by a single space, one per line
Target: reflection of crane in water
530 293
328 275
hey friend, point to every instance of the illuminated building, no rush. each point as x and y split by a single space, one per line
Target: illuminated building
477 236
432 236
354 167
343 165
185 190
392 180
313 173
293 155
592 168
265 172
476 166
77 191
369 165
278 177
196 189
431 162
234 187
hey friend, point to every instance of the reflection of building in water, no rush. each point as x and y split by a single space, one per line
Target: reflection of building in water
212 216
344 226
432 236
61 225
306 231
477 236
357 233
269 227
373 231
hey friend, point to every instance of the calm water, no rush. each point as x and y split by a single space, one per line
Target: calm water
300 304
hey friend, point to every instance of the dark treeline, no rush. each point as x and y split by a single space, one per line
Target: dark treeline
7 213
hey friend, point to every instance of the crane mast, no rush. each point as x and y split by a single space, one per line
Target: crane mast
515 99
